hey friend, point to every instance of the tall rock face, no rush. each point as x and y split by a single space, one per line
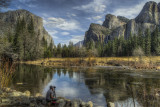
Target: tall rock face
149 18
8 22
112 22
96 33
79 44
149 14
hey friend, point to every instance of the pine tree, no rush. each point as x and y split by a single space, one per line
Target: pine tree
148 43
17 42
31 27
141 40
59 50
154 40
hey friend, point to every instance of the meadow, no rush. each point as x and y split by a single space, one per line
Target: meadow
152 62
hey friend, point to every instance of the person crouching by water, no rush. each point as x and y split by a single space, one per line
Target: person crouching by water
51 95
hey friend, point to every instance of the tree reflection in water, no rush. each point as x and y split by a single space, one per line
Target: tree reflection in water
124 88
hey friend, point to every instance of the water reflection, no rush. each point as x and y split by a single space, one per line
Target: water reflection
124 88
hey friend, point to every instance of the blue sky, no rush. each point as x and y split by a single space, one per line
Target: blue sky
68 20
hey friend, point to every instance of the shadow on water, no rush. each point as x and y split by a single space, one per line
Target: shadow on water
124 88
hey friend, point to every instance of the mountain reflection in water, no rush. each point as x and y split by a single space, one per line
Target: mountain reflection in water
100 85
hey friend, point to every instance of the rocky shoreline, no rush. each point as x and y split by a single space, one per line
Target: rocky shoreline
13 98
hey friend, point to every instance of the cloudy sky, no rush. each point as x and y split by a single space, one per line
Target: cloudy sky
67 20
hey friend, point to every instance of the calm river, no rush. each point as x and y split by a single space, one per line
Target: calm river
100 85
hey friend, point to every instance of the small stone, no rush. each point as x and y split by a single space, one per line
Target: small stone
7 89
44 102
38 95
61 102
15 94
74 104
110 104
27 93
32 105
6 101
90 104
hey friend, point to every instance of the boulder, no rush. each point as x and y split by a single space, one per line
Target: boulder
5 101
116 26
27 93
97 33
15 94
74 103
83 104
90 104
61 103
110 104
112 22
38 95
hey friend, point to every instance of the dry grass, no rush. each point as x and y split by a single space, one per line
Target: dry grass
146 62
6 74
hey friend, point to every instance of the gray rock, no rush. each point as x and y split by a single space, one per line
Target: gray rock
149 18
110 104
15 94
90 104
76 103
6 101
27 93
61 102
9 19
112 22
83 104
96 33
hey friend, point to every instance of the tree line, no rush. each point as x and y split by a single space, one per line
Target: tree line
148 43
144 44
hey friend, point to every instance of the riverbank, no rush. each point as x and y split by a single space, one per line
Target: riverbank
132 62
13 98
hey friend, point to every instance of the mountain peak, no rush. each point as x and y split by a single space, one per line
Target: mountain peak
149 13
112 22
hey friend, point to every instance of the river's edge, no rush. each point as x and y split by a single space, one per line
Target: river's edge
13 98
131 63
109 67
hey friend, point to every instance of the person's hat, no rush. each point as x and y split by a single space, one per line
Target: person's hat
51 87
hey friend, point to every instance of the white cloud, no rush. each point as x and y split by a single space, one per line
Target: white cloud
70 15
99 22
31 5
54 37
7 9
96 6
77 38
26 1
53 32
63 24
73 14
97 17
132 11
65 33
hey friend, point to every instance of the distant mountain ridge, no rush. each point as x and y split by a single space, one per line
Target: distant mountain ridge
118 26
8 21
79 44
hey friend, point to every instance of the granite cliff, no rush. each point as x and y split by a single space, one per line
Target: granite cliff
8 21
116 26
